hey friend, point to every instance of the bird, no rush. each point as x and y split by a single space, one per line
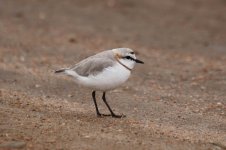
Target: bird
103 72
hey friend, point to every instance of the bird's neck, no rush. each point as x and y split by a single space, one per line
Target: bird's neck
126 63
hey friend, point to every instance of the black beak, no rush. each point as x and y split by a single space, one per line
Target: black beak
139 61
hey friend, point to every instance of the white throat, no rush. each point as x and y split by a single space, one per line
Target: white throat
128 63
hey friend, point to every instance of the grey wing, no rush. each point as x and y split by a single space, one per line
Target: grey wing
92 66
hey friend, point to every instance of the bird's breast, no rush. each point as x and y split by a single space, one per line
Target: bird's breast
110 78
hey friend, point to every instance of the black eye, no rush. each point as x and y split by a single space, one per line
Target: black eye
128 57
131 52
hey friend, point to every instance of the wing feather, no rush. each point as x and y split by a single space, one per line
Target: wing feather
94 64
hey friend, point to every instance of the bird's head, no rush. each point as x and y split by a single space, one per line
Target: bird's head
126 57
126 54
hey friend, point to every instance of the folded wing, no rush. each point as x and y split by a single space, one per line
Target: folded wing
92 66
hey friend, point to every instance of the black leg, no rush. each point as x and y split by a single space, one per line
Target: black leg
95 103
109 108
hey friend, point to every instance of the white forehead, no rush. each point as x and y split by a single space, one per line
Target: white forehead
123 50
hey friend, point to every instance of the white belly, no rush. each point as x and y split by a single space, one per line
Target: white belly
109 79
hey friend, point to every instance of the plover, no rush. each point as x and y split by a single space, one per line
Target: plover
103 72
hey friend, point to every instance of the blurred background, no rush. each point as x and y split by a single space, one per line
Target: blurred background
176 100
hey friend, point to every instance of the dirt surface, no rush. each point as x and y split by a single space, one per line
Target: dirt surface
177 100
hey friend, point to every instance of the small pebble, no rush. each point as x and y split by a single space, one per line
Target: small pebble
69 95
37 85
22 58
87 136
219 104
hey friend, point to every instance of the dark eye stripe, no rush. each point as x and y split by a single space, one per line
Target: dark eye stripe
128 57
131 52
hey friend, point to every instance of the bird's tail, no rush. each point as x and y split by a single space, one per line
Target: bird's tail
61 70
68 72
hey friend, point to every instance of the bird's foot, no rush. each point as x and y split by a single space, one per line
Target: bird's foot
112 115
103 115
118 116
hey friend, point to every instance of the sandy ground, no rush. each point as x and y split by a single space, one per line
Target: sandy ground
177 100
